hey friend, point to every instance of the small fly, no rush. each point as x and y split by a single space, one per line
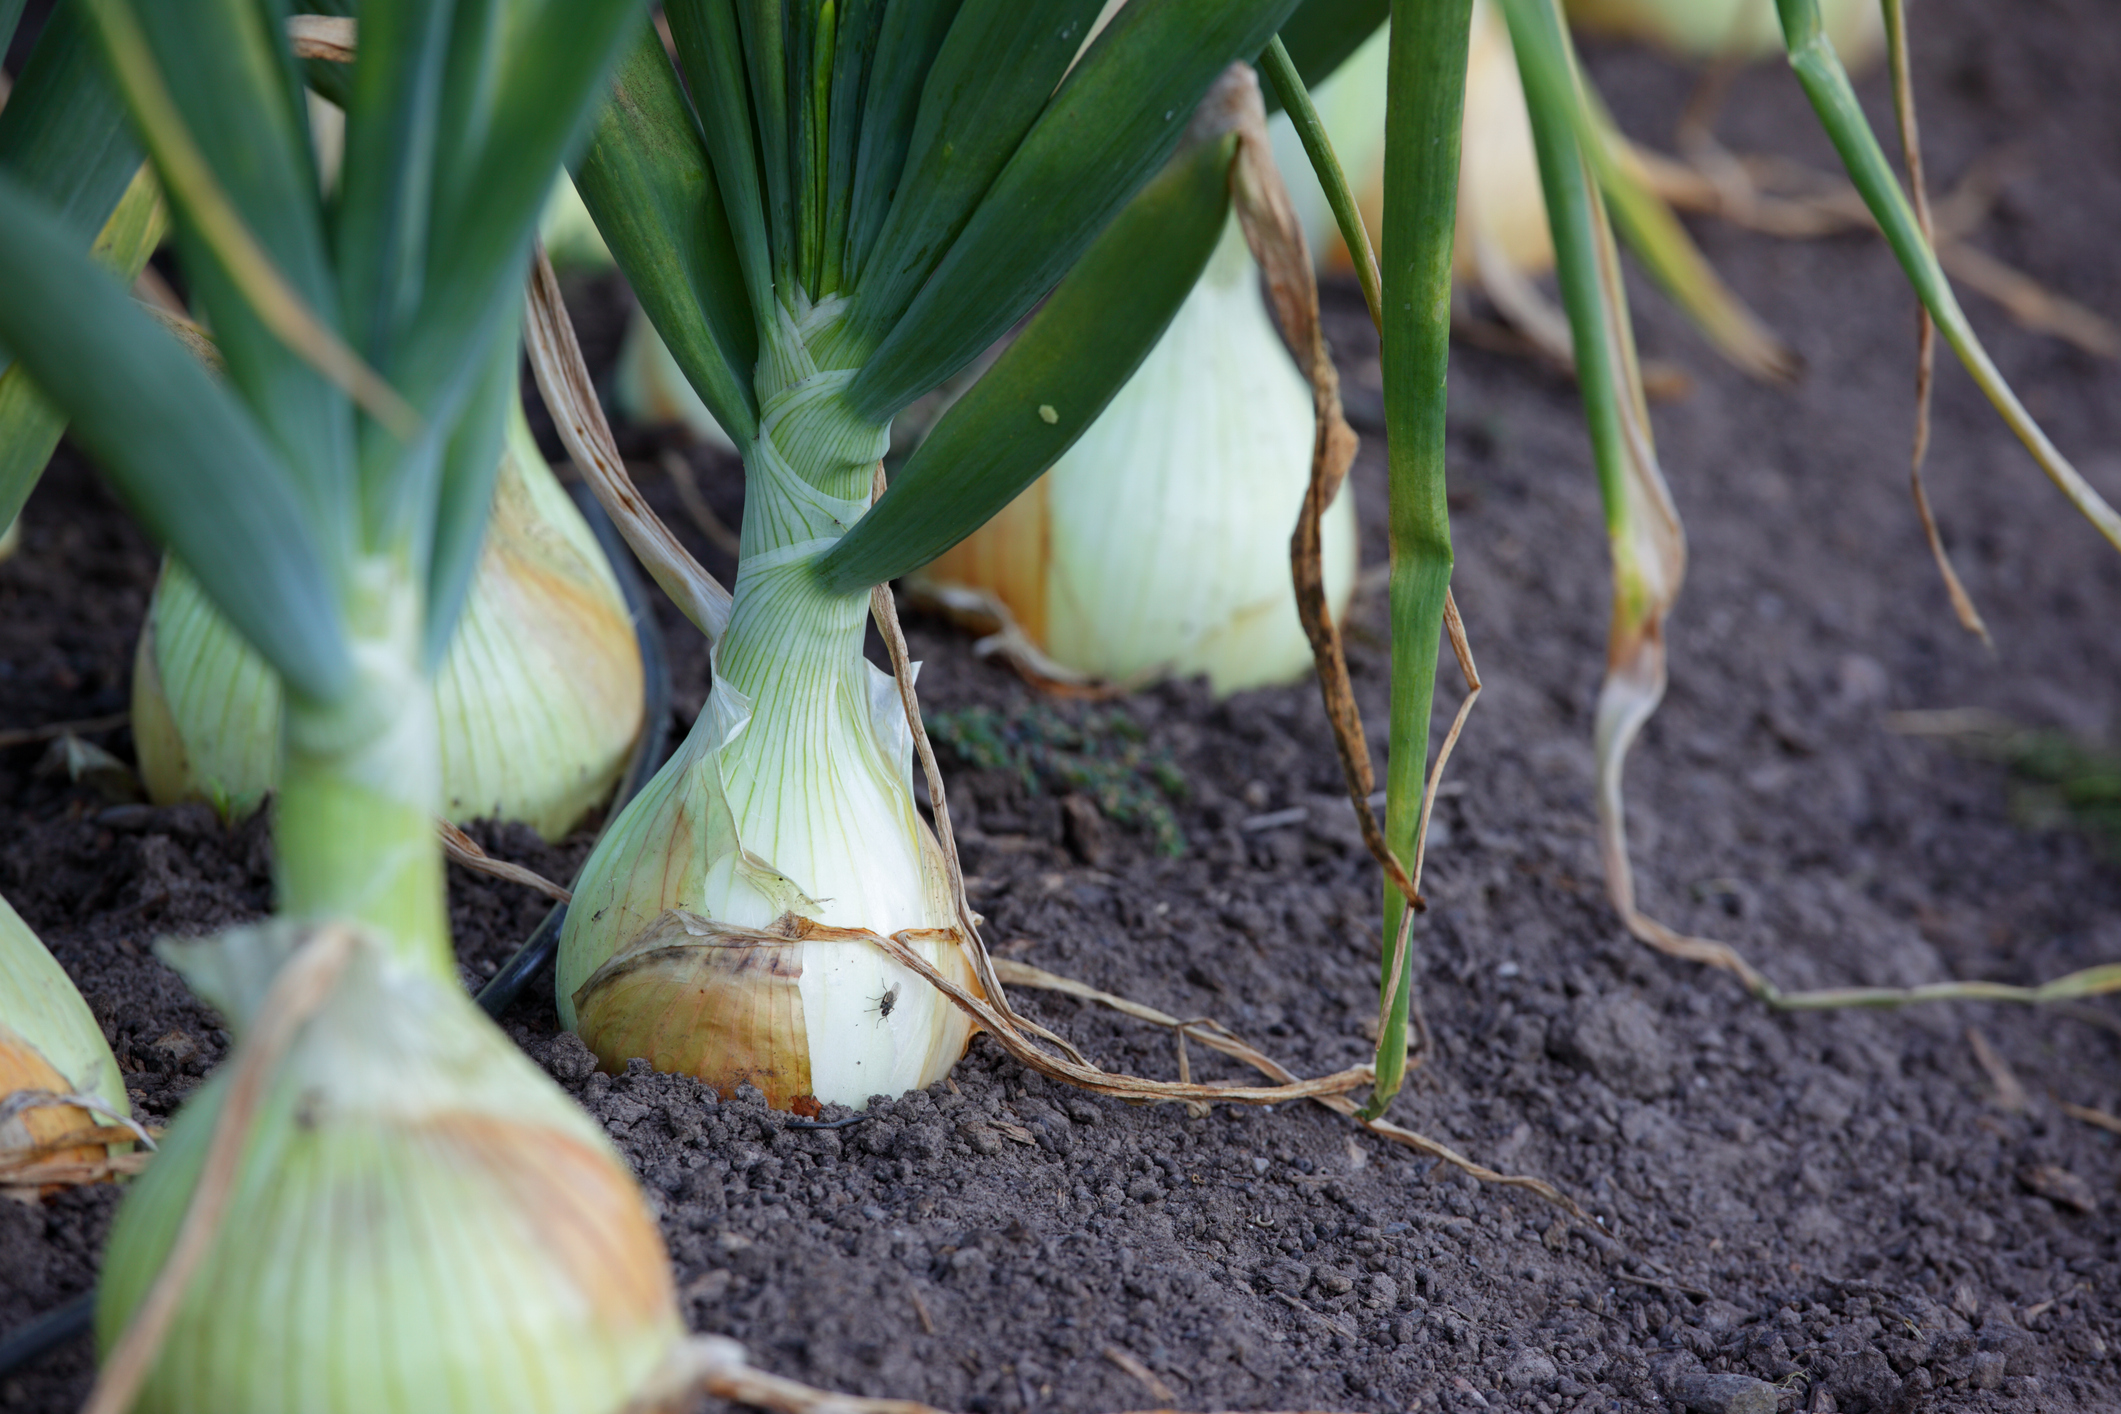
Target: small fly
883 1004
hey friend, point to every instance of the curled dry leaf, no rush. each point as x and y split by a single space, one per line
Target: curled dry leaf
1925 327
463 850
1275 235
563 381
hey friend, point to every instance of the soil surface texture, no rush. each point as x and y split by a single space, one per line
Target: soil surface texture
1854 1211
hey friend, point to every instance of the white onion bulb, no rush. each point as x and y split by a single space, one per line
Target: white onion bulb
1159 544
539 697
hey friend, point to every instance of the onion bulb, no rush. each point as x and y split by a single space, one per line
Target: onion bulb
710 930
1159 543
1501 210
1742 29
49 1043
539 697
418 1220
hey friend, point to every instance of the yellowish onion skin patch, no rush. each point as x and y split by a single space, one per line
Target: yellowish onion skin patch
42 1131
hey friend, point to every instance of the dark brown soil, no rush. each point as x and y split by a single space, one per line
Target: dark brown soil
1834 1203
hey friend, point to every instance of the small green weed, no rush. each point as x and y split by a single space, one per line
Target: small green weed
2071 780
1105 756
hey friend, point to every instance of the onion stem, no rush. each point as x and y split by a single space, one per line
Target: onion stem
353 826
1826 84
1426 107
1318 146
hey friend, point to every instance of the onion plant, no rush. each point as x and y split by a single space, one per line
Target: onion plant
1145 549
1647 542
852 205
414 1195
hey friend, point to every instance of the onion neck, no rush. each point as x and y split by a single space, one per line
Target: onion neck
353 828
807 762
808 476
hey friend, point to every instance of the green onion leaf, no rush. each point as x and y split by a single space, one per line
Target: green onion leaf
1118 115
30 426
63 133
860 26
194 466
1425 107
213 94
666 214
993 77
906 47
765 53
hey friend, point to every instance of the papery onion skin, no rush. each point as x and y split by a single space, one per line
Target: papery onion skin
538 699
421 1222
50 1042
40 1004
730 1016
45 1128
726 1004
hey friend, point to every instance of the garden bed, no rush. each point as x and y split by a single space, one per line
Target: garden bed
1842 1203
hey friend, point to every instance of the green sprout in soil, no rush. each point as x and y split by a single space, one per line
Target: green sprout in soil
1106 756
2067 782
